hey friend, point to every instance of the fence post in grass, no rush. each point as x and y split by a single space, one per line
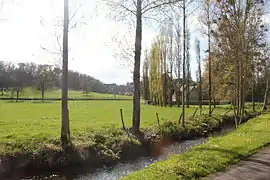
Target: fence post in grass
157 119
180 118
123 124
195 112
122 119
227 112
212 110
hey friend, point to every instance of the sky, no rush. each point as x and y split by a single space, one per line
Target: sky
28 25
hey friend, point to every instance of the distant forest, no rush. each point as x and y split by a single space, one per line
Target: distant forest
43 76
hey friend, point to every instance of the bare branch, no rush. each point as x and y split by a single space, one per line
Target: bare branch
112 3
59 44
74 14
195 9
51 52
152 18
189 3
134 3
154 5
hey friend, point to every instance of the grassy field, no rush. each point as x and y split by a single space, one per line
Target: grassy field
56 93
34 122
215 155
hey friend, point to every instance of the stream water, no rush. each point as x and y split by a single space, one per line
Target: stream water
123 169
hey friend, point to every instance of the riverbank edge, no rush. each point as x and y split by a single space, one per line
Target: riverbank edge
111 146
216 155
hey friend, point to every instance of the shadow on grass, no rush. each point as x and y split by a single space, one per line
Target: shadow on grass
235 154
14 101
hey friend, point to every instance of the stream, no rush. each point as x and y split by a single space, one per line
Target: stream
123 169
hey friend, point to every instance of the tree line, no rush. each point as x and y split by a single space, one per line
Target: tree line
236 67
238 62
15 77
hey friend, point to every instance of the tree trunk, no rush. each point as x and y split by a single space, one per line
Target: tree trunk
177 96
238 88
165 91
178 64
136 73
188 68
200 93
265 93
209 57
187 94
17 94
252 94
171 70
253 87
170 97
242 89
65 114
146 79
200 75
184 62
42 92
165 82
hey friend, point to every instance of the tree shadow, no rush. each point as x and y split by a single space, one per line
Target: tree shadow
14 101
234 153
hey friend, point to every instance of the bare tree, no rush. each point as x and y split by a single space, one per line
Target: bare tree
65 129
266 89
198 54
184 62
44 76
171 64
145 76
209 53
188 69
178 61
137 8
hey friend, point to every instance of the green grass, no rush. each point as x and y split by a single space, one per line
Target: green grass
56 93
215 155
26 125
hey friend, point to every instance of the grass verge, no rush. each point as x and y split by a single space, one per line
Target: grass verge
215 155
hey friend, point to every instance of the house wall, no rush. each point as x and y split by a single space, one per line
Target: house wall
194 95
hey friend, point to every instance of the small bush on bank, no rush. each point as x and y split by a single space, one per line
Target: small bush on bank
171 129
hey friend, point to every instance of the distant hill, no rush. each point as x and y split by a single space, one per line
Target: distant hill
45 76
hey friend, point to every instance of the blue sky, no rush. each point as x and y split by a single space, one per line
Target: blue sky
25 25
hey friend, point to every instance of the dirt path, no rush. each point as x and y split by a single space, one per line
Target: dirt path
256 167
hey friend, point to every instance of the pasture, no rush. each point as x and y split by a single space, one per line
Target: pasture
32 122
